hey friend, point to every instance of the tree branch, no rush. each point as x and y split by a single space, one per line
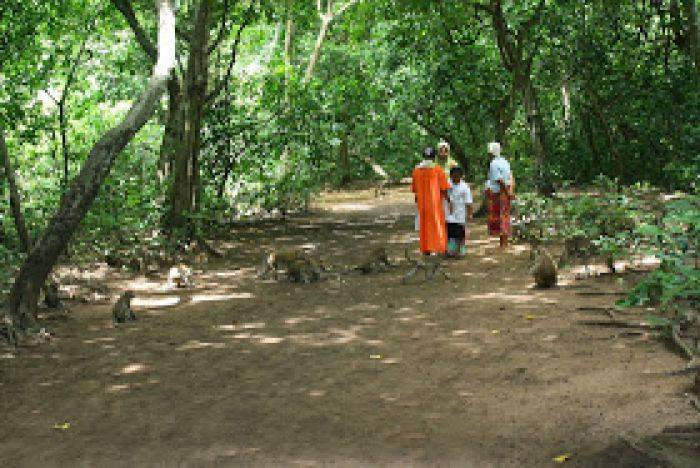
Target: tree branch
220 33
249 14
127 10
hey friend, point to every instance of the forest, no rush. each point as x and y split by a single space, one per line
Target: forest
151 140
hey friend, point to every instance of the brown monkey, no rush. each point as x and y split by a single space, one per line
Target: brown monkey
304 271
279 260
544 269
122 309
376 260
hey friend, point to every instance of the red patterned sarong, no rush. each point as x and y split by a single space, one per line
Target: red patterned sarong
499 213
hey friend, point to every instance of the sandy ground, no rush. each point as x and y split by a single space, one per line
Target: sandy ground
482 370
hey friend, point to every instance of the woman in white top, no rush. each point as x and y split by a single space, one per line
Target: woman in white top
499 191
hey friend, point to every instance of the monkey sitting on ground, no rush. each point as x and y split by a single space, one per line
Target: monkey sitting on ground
304 271
430 264
275 261
122 309
180 276
544 269
377 260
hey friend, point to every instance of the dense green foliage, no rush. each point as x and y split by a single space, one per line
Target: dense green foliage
615 83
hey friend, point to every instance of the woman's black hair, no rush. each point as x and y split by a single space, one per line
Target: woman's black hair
456 170
429 153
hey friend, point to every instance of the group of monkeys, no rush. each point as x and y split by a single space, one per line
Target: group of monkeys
298 266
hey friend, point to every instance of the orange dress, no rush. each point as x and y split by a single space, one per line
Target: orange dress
428 181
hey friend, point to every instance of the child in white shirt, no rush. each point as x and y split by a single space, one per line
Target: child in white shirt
461 197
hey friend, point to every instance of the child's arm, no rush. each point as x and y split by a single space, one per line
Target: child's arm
446 196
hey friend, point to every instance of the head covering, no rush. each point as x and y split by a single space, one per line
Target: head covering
429 153
443 144
495 148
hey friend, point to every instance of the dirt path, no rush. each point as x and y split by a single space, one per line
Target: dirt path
480 371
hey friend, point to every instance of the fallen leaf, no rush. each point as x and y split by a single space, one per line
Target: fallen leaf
562 458
62 426
375 356
495 332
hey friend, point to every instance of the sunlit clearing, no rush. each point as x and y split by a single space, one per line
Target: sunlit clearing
143 284
152 302
363 306
133 368
196 344
507 297
350 207
224 274
117 388
269 340
220 297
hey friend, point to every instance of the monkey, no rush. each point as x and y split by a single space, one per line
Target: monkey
281 260
51 298
544 269
304 271
122 309
431 265
180 276
376 260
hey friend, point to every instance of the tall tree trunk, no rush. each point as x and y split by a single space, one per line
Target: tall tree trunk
510 46
174 129
20 311
566 102
691 11
15 204
185 188
505 114
323 30
534 120
288 51
344 159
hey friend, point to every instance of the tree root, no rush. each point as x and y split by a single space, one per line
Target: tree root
616 324
682 345
204 245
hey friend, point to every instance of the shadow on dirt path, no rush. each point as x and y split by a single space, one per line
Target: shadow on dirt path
483 370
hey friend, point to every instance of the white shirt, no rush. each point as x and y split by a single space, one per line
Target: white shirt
499 169
460 196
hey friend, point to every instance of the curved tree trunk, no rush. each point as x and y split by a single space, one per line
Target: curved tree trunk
15 204
20 312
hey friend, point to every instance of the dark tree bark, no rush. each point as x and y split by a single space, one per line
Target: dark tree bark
511 46
15 204
184 197
691 12
20 312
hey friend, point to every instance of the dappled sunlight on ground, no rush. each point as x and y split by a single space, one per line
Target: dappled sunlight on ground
243 372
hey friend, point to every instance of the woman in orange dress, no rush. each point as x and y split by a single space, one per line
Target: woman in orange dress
430 188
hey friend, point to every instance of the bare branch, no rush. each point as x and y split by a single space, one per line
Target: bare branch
127 10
